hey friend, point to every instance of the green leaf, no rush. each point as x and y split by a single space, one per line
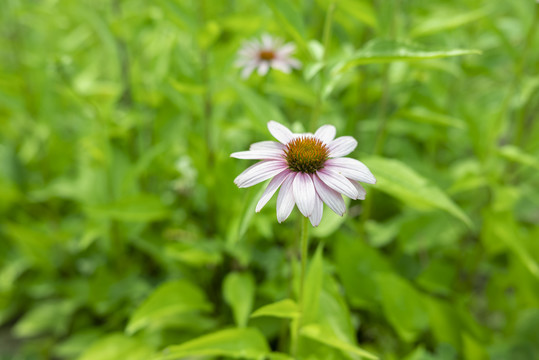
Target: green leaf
141 208
403 306
169 300
239 293
380 51
118 346
245 343
435 24
516 154
286 308
427 116
360 10
51 316
502 231
400 181
355 260
322 335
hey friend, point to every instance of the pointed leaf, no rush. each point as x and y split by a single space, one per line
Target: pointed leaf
117 346
381 51
245 343
286 308
239 293
318 333
402 182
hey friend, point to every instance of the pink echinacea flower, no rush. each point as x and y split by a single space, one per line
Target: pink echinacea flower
267 53
309 168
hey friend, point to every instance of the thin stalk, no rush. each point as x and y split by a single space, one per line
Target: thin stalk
304 253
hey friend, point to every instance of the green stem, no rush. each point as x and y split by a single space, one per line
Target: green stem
304 253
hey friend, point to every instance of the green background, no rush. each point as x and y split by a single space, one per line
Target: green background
123 234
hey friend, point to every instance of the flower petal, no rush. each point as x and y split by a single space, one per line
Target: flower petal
257 155
266 145
318 211
263 68
259 172
326 133
285 199
286 49
352 169
280 132
271 189
281 65
342 146
304 193
337 182
267 41
360 189
332 198
247 70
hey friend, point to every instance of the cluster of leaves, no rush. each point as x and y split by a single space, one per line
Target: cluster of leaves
124 237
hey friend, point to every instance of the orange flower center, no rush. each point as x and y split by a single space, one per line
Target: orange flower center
306 154
266 55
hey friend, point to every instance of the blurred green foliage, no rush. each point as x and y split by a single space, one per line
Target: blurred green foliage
122 233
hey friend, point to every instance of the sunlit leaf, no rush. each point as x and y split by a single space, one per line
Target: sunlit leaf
381 51
244 343
320 334
286 308
444 22
118 346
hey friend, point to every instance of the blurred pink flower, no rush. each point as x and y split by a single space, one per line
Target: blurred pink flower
309 168
267 53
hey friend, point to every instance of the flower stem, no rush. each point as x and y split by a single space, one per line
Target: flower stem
304 253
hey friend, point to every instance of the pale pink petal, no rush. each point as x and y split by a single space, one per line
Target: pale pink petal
326 133
342 146
318 211
285 199
263 68
258 154
361 191
352 169
286 49
296 64
267 145
247 70
337 182
271 189
259 172
280 132
267 41
304 193
281 66
332 198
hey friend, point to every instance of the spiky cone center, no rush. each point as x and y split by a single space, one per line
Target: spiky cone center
306 154
266 55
